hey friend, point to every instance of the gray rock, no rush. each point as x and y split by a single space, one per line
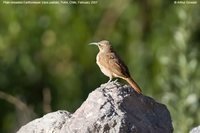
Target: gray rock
111 108
195 130
49 123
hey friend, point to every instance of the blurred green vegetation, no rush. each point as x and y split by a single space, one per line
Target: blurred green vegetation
47 65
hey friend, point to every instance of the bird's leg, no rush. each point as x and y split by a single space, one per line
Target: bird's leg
115 80
110 79
107 83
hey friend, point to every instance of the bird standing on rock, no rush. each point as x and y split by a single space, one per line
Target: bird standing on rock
111 65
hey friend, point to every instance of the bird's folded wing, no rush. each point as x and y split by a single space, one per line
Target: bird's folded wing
115 65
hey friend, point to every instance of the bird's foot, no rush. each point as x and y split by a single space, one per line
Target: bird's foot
110 82
107 83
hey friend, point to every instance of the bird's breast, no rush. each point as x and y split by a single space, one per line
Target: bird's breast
100 60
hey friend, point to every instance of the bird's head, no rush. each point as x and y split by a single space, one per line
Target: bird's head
103 45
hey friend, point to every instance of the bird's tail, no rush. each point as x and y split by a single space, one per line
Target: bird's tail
134 85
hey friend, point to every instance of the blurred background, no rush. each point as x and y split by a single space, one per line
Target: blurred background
46 64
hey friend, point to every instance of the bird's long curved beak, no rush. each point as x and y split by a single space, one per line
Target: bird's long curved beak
94 43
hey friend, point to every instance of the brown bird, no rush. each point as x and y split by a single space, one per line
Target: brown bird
111 65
